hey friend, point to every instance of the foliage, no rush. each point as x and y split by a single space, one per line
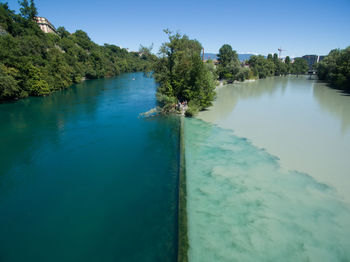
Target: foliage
181 74
271 66
335 68
34 63
229 67
299 66
261 66
28 10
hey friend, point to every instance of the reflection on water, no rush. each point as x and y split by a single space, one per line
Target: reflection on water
334 102
228 97
302 122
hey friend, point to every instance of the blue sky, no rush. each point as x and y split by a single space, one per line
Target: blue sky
300 27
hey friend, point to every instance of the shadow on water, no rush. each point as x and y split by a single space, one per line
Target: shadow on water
27 122
331 101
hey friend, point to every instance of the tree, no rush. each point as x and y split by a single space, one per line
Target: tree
229 65
261 66
8 84
35 83
335 69
182 76
299 66
287 62
227 55
27 10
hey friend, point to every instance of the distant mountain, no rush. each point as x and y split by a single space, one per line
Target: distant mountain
243 57
213 56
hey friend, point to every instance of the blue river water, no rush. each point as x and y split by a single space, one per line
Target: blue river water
82 178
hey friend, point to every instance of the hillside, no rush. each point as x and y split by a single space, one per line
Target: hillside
33 63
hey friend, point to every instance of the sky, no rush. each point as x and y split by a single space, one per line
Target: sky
249 26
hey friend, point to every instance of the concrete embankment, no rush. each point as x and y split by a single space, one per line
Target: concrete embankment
182 216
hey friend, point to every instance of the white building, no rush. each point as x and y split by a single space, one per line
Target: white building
45 25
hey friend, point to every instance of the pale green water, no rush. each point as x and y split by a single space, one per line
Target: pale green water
248 204
302 122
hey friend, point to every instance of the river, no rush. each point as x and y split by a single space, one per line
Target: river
268 173
82 178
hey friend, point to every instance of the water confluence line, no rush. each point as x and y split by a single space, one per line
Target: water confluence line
182 214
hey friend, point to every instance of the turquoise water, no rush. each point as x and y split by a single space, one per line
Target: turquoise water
268 174
243 207
82 178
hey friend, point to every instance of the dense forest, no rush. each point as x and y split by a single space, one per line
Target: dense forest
335 69
182 75
33 63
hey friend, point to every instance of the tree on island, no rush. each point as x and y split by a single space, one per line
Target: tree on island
182 76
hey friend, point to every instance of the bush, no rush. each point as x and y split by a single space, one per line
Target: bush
193 109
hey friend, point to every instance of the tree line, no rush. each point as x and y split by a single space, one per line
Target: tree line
335 69
229 67
182 75
33 63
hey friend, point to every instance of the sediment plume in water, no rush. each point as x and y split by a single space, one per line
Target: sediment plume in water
242 206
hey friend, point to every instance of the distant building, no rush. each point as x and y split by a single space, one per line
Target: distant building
45 25
321 57
313 59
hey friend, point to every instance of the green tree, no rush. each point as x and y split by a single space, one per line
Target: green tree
299 66
261 67
229 65
227 55
8 84
287 62
35 83
182 75
28 10
335 69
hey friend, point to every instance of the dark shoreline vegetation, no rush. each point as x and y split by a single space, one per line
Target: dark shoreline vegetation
335 69
33 63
